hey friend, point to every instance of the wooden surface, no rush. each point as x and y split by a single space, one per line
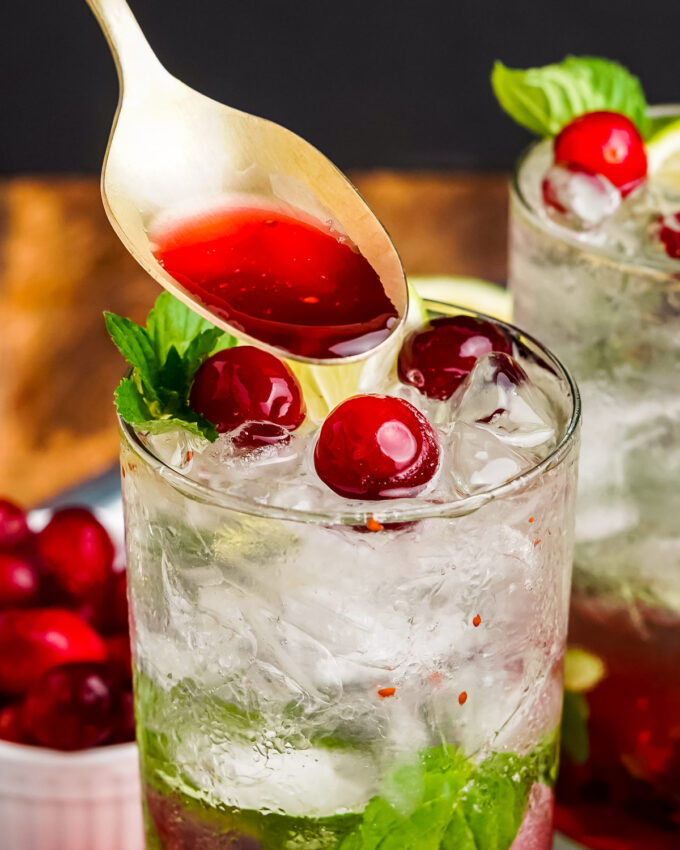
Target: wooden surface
61 265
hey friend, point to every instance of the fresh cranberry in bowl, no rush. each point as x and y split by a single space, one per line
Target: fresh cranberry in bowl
76 549
12 724
119 659
72 707
13 525
36 639
105 608
245 384
19 582
437 359
606 143
376 447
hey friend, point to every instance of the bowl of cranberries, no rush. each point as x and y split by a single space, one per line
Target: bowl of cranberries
68 762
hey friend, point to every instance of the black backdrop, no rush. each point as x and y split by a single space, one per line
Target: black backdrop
370 82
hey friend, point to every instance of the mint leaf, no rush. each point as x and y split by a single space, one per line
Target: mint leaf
173 375
130 402
171 322
494 804
135 345
546 99
164 357
575 741
204 344
447 802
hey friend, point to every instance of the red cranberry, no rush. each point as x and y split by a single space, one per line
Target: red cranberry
376 447
72 707
669 234
605 143
256 434
76 548
118 615
105 608
12 724
13 526
125 726
19 582
34 640
244 384
119 658
438 359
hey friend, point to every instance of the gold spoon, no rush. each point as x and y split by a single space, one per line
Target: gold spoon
171 146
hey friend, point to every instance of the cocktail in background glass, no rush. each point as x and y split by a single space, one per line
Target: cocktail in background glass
317 672
603 289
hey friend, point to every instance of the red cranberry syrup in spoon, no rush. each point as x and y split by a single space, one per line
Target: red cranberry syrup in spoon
279 278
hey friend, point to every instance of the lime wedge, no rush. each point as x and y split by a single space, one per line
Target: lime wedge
470 292
324 387
663 154
582 670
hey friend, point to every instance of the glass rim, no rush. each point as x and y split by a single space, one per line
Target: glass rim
387 510
663 266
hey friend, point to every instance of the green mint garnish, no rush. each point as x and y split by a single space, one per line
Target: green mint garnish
438 799
164 357
446 801
544 100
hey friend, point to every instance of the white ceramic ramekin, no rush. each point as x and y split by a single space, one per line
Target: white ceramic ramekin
88 800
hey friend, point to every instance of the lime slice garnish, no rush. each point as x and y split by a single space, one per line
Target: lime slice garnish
663 155
470 292
582 670
324 387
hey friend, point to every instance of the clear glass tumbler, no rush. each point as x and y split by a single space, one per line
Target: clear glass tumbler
307 680
615 321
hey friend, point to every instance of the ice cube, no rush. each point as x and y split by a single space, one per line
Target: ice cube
175 447
480 461
578 199
498 397
504 424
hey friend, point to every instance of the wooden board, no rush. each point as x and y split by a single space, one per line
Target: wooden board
61 265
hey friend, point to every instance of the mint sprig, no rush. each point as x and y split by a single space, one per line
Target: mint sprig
164 356
544 100
438 799
446 802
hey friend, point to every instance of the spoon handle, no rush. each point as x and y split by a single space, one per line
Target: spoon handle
133 56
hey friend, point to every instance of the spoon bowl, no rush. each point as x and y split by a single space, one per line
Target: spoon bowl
172 148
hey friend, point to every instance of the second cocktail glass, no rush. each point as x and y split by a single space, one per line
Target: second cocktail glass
608 301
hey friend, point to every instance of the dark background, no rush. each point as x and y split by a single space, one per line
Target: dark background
370 82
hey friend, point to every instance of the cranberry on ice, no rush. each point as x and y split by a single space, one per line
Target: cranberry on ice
376 447
245 384
77 550
437 359
606 143
13 526
34 640
72 707
19 582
